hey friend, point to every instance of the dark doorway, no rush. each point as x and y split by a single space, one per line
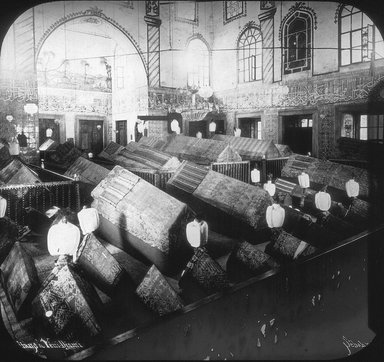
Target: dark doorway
198 126
297 133
91 136
121 132
44 124
250 127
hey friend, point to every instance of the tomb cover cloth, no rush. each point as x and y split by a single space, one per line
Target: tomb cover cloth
245 202
87 171
250 148
157 293
110 151
326 172
138 207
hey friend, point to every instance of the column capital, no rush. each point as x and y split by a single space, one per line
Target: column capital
267 14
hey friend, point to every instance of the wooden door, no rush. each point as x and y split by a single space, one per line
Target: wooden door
91 135
121 135
297 133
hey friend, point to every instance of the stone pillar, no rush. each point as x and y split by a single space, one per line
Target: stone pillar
267 29
152 11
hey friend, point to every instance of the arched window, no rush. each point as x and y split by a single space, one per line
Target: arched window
250 55
359 38
197 63
297 42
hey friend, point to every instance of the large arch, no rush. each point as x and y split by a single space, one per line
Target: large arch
96 12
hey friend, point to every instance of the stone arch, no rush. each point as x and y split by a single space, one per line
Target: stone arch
302 8
250 24
89 12
200 37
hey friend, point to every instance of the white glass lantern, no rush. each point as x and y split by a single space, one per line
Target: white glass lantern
323 201
174 125
88 220
199 135
237 132
193 234
205 91
14 148
63 239
212 127
352 187
275 216
3 206
255 175
48 132
270 187
140 127
90 155
304 180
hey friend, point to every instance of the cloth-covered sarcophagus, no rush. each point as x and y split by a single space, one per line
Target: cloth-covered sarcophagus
67 305
136 156
231 207
248 260
17 173
98 264
86 171
326 172
250 148
204 271
8 234
198 150
140 218
20 280
111 151
286 247
157 293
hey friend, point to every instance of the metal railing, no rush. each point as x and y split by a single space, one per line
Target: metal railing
40 196
238 170
158 179
270 166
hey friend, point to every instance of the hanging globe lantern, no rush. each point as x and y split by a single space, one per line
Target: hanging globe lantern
205 91
3 206
88 220
212 126
270 187
193 232
352 187
199 135
63 239
255 175
174 125
140 127
48 132
275 216
323 201
304 180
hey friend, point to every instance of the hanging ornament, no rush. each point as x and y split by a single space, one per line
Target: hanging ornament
212 126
